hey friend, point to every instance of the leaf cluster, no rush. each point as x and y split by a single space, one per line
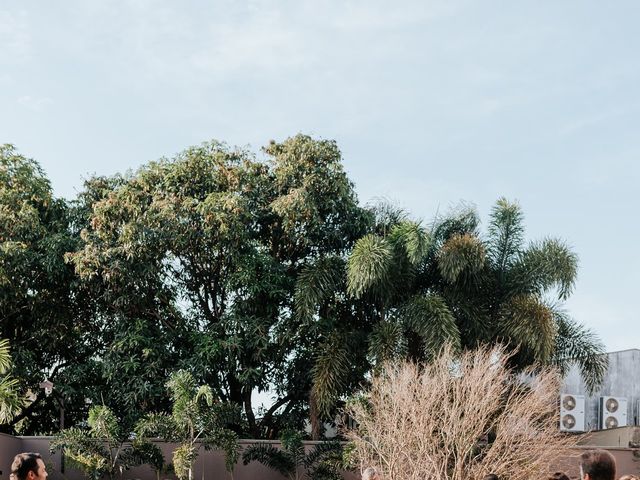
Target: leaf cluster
104 448
322 462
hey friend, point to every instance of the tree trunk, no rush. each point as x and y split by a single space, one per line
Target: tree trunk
314 417
248 410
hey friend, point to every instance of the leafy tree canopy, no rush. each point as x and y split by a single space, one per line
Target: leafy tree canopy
258 273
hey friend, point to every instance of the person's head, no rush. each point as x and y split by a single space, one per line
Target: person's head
490 476
597 465
559 476
28 466
370 474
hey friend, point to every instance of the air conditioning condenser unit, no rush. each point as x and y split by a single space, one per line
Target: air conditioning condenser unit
613 412
571 413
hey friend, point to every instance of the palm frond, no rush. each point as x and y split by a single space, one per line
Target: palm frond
183 458
325 461
205 393
11 402
461 220
322 451
325 471
369 265
317 282
331 371
528 324
545 265
430 317
271 457
506 233
182 387
5 356
159 425
578 345
103 423
387 341
461 253
144 452
291 440
412 239
84 452
386 215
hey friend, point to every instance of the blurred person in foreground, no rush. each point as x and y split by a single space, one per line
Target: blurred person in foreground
371 474
28 466
597 465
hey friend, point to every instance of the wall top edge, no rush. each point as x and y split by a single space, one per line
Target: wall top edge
160 440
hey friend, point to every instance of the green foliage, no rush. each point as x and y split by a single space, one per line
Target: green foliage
272 457
104 449
370 264
323 462
387 341
465 289
195 420
331 371
577 344
460 253
5 356
38 292
412 238
254 274
506 233
429 318
203 251
183 458
316 283
11 402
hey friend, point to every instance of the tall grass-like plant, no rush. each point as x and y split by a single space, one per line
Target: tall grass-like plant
458 418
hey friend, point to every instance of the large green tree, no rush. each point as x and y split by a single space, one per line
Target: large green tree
203 251
41 312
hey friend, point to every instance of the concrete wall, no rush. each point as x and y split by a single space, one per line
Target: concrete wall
9 447
210 465
622 437
621 380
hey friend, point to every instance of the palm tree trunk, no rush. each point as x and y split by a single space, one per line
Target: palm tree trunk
314 417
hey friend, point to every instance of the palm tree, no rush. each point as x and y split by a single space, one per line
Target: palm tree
323 462
104 448
11 402
414 289
196 420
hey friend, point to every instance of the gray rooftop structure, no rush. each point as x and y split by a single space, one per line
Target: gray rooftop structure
621 380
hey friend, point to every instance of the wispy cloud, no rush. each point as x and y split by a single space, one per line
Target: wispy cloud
36 104
377 15
15 41
590 120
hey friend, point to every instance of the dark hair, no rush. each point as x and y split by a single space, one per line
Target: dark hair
23 463
559 476
490 476
599 464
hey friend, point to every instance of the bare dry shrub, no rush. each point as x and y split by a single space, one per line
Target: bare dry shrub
429 422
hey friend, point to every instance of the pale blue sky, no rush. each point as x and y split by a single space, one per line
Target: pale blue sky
432 102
